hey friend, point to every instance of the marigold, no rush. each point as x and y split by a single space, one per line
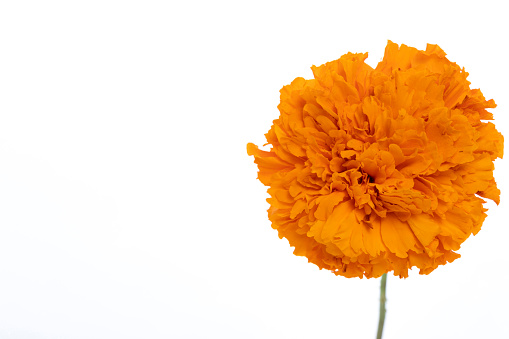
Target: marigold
380 170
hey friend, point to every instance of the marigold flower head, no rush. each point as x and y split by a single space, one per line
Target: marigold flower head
380 170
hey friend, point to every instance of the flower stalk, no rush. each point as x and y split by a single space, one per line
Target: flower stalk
381 319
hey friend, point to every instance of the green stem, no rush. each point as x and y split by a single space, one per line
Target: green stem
381 320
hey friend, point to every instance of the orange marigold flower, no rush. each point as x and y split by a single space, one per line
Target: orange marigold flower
380 170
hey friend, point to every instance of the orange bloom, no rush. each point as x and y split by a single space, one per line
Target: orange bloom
380 170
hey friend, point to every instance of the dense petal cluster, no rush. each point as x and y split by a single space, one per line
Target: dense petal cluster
379 170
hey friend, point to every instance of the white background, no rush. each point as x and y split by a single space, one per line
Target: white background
130 209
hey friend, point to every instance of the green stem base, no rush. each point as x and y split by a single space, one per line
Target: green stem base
381 320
